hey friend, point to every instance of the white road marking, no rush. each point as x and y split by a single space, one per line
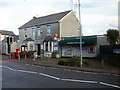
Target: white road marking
25 71
8 68
76 71
90 72
38 66
67 69
105 73
109 85
73 80
27 64
53 68
53 77
115 75
49 76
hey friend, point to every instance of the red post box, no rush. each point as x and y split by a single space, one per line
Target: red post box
17 52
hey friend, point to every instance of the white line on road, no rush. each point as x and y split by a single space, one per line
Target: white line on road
26 71
67 69
8 68
116 75
76 70
49 76
90 72
53 77
38 66
109 85
72 80
27 64
105 73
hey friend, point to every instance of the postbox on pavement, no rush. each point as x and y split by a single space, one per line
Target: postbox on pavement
18 53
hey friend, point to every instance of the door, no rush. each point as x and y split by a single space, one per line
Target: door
39 49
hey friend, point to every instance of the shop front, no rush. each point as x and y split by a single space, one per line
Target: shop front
71 46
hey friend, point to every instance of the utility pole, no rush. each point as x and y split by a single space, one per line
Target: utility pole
80 30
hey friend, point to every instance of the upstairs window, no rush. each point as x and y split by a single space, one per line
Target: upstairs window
39 31
25 32
48 30
33 32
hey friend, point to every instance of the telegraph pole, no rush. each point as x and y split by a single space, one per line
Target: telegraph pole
80 30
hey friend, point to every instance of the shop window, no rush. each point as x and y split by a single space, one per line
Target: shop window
91 49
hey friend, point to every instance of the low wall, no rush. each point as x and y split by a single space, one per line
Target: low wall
113 59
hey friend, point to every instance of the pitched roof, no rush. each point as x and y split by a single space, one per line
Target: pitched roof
4 32
28 39
15 38
45 19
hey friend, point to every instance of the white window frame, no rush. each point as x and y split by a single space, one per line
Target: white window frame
39 31
48 30
33 32
49 46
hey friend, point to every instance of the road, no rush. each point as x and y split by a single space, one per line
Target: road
21 75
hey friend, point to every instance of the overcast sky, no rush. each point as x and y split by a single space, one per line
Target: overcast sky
97 16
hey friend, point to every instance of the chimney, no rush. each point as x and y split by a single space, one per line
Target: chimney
34 17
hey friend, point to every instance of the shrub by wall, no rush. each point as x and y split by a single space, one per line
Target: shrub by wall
63 62
74 61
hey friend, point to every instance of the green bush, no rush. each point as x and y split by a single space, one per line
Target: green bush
74 61
53 54
24 53
63 62
85 62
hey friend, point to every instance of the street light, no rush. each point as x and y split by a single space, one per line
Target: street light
80 30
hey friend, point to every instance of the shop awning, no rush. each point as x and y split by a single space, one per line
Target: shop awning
76 41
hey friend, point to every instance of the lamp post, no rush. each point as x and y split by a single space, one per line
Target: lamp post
80 30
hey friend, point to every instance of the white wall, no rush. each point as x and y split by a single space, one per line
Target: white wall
22 35
14 46
1 38
69 25
101 40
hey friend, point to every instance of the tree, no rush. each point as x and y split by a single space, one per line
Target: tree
113 36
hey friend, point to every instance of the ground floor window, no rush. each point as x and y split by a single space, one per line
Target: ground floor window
23 48
31 47
48 46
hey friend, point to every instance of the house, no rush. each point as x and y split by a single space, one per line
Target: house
4 34
42 34
8 49
70 46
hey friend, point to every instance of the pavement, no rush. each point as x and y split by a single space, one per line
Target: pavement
93 67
